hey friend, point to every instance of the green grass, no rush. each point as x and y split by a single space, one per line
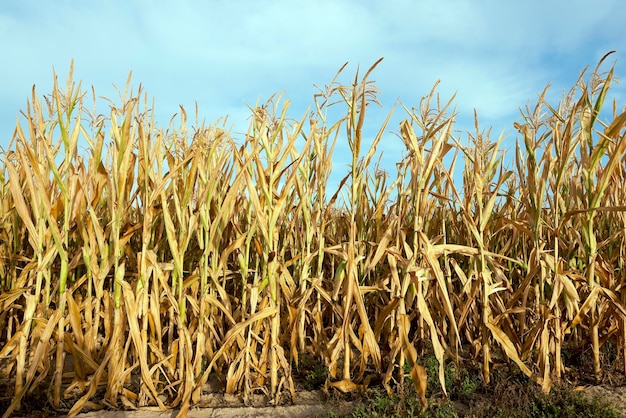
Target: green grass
562 402
508 395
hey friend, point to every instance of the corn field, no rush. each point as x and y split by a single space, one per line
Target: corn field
136 262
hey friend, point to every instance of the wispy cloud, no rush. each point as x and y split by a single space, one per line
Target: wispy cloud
496 56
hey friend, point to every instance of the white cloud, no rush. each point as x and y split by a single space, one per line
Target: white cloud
496 55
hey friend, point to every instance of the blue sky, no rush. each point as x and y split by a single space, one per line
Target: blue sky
496 55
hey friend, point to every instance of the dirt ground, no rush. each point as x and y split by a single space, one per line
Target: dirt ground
307 404
313 404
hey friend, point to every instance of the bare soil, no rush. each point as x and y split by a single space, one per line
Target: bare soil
307 404
316 404
508 391
313 403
